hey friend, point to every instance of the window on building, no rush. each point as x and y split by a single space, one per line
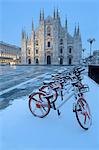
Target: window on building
48 44
70 50
36 42
61 41
70 61
29 51
48 31
61 50
36 51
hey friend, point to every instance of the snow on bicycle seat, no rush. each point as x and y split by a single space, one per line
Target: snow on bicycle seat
48 81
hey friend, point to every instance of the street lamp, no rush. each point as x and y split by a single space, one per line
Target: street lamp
91 41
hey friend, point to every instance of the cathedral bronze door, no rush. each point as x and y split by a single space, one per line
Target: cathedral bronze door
29 61
48 59
61 61
70 61
36 61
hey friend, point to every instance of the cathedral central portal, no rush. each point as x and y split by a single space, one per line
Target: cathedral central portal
48 59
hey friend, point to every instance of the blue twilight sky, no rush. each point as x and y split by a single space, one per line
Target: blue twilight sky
18 14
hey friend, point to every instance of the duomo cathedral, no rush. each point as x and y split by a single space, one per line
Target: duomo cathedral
51 43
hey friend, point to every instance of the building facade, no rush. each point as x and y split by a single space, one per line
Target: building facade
9 54
51 43
96 57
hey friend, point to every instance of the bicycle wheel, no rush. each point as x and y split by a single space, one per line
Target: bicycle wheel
39 105
48 90
83 114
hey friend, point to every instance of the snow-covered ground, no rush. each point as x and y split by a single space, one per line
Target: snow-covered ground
20 130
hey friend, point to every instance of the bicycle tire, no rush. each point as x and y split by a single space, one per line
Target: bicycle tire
82 110
39 106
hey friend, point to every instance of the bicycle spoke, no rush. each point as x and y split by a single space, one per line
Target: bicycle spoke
37 105
43 108
83 116
42 111
35 109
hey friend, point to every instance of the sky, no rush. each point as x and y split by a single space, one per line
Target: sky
18 14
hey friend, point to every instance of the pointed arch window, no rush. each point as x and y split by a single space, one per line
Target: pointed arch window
36 51
48 44
49 31
61 50
61 41
36 42
29 51
70 49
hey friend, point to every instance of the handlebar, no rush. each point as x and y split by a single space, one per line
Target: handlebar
81 70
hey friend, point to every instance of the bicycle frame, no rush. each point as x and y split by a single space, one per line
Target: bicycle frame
64 101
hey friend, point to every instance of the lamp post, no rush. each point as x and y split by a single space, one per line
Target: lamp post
90 42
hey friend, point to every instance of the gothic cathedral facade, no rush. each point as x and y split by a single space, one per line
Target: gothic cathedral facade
51 43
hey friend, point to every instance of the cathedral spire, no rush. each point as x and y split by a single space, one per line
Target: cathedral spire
27 37
66 23
23 34
75 30
57 13
42 15
78 30
32 25
54 14
78 33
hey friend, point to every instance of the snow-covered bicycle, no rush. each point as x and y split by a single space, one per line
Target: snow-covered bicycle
41 102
